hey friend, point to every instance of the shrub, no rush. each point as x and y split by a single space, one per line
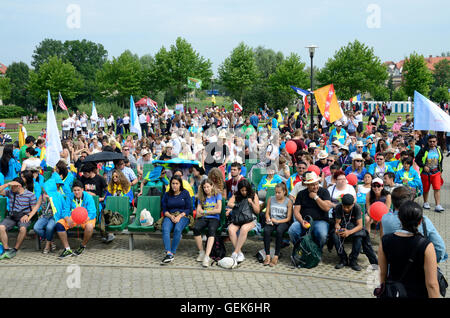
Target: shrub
104 109
12 111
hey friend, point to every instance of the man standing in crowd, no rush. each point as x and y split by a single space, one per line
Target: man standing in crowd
429 159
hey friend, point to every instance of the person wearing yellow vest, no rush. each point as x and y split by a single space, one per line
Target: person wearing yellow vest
269 181
429 159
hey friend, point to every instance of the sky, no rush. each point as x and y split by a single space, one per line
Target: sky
393 28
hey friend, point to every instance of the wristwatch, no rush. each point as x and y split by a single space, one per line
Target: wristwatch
315 199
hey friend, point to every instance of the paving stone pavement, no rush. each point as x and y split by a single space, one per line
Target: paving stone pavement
113 271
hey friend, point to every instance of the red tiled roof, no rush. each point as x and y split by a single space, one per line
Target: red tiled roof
3 68
430 61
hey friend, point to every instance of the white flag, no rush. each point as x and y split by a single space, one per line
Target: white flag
135 126
94 115
429 116
237 106
53 142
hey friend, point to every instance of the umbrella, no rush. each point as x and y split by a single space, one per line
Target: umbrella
104 156
176 162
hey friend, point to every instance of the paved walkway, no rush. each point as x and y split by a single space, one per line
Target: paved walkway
114 271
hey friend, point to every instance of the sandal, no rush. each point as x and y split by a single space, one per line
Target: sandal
46 251
52 246
267 261
274 261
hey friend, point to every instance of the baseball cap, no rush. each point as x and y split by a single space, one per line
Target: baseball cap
348 199
377 180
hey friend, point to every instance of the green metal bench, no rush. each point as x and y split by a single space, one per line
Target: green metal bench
151 203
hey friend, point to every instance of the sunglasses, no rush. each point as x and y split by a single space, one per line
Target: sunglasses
360 147
379 159
330 160
376 185
358 160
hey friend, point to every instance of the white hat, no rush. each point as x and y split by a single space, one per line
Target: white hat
144 152
336 142
344 147
377 180
322 154
311 177
337 123
222 134
390 150
312 145
357 157
359 143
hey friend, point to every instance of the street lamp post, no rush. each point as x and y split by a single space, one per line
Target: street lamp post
311 55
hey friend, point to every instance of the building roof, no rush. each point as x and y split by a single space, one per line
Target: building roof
3 68
430 61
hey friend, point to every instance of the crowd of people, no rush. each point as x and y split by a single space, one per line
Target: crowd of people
393 165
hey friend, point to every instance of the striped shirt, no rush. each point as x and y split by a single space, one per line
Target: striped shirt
22 203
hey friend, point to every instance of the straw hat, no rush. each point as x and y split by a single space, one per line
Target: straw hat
311 177
222 134
344 147
359 143
322 154
337 143
357 157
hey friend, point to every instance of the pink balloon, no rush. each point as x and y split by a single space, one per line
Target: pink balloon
377 210
291 147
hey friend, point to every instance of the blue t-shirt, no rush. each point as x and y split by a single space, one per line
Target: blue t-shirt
209 204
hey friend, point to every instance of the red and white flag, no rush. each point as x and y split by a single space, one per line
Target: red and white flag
237 106
61 102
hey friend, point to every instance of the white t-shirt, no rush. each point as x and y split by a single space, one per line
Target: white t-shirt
336 194
83 121
110 121
324 122
32 163
101 122
359 118
126 120
142 118
66 125
297 188
362 189
78 125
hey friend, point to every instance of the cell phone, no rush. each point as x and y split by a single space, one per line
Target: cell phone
341 230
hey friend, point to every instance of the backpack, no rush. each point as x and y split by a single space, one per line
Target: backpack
218 250
306 253
146 218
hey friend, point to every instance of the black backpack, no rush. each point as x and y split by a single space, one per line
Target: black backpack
218 250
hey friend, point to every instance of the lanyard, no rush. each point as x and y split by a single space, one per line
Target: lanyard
78 203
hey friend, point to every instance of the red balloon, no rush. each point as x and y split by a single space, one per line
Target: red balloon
314 168
377 210
79 215
352 179
291 147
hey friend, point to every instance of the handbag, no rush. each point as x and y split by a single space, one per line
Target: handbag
440 276
242 213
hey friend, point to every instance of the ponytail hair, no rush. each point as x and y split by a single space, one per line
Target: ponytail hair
410 215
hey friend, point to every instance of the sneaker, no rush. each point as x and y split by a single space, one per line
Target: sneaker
110 238
439 208
8 254
65 253
206 261
201 256
426 205
52 246
79 250
234 255
167 259
240 258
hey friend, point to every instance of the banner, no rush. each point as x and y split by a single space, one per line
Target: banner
52 142
429 116
179 107
236 106
194 83
328 104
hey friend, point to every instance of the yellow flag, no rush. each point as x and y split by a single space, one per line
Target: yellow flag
328 104
21 137
213 99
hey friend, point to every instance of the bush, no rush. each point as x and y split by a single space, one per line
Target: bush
12 111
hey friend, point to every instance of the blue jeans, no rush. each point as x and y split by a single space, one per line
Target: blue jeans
45 227
319 232
167 227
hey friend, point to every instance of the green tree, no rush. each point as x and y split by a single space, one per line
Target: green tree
353 69
416 75
380 93
120 78
45 50
174 66
289 72
5 88
441 73
399 95
19 73
56 76
239 71
441 94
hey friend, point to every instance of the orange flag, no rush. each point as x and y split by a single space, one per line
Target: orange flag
328 104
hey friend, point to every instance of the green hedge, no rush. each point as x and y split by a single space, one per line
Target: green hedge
11 111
